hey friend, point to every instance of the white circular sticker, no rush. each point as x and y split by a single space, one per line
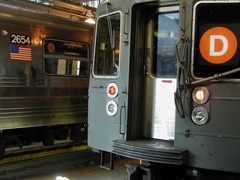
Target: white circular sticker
111 108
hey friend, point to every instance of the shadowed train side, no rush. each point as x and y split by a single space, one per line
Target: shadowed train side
44 76
146 97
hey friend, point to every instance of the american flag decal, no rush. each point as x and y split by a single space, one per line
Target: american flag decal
21 53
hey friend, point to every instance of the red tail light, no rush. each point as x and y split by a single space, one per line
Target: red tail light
112 90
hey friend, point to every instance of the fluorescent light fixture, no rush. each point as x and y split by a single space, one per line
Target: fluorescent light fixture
90 15
90 21
61 178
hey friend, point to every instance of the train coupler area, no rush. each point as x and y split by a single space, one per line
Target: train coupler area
155 172
136 171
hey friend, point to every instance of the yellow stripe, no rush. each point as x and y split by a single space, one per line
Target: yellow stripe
38 155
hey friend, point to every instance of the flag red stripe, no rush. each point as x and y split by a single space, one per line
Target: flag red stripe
25 54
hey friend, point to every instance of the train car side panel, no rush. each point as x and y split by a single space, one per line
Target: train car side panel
32 97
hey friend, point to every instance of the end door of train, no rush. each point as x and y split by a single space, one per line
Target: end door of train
133 80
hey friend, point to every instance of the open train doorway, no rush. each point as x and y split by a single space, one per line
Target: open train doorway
160 76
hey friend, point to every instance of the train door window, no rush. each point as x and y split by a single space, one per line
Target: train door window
160 84
106 55
165 40
66 58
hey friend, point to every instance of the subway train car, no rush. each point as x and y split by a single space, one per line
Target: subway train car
150 94
44 75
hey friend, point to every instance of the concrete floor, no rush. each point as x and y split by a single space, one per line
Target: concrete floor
93 172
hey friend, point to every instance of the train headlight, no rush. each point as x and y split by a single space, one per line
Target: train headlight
200 95
200 116
111 108
112 90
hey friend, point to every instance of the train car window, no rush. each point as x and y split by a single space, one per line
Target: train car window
106 60
165 40
66 58
216 36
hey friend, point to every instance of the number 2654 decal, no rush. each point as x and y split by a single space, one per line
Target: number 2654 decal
20 39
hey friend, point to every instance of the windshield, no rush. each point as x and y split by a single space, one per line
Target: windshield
106 60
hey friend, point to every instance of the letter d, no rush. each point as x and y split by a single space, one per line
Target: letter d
213 39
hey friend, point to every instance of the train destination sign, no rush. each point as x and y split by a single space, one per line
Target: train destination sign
65 48
218 45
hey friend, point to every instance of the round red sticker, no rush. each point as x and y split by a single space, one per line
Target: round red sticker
51 47
218 45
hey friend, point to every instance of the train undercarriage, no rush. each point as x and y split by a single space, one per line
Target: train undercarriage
45 136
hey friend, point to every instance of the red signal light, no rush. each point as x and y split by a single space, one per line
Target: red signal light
112 90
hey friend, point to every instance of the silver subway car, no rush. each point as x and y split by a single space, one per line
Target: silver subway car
44 75
148 57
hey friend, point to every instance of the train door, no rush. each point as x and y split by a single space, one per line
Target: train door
107 90
160 80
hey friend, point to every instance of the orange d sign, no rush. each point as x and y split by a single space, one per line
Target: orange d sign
218 45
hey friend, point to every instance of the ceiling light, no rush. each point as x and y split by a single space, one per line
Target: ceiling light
89 14
90 21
